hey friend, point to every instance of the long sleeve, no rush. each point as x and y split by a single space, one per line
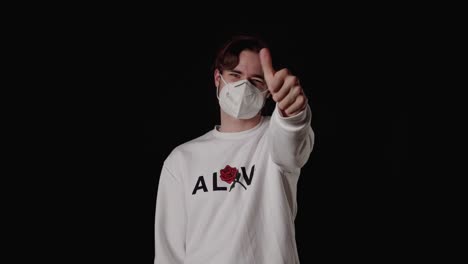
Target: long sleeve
170 220
291 139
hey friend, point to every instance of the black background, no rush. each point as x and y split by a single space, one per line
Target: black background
160 93
354 80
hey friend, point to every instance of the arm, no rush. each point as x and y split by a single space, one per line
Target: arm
170 220
292 138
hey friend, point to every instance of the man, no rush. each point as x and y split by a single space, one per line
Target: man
229 196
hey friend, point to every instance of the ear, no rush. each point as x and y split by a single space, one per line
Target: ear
216 77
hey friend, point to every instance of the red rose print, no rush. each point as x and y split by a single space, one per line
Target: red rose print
228 174
231 174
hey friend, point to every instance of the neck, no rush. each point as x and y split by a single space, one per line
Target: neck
231 124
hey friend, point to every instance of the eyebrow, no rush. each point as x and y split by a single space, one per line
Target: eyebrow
255 75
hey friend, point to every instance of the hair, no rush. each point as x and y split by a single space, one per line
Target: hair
227 57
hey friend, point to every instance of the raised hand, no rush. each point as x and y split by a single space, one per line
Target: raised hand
283 86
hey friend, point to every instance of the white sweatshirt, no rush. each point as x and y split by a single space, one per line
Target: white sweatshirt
230 198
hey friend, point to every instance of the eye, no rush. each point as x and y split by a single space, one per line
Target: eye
258 82
233 74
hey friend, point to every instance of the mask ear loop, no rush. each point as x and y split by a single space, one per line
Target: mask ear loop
266 97
217 87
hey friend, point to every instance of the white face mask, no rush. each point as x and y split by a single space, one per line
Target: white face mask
241 99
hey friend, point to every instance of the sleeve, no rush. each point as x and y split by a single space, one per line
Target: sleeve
170 220
291 139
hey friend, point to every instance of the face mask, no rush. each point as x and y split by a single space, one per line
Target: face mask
241 99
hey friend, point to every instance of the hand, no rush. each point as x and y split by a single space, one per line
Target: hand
284 87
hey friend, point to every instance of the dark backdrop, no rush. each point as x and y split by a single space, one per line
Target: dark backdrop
354 77
159 93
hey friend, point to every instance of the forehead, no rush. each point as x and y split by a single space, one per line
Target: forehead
249 63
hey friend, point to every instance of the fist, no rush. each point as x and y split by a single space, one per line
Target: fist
284 87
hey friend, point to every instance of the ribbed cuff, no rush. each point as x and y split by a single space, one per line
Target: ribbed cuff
291 122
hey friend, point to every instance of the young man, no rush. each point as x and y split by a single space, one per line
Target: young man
229 196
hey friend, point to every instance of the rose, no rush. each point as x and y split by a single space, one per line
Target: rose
229 174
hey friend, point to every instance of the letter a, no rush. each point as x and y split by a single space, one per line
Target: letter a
201 181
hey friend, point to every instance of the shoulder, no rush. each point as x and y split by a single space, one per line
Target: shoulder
185 150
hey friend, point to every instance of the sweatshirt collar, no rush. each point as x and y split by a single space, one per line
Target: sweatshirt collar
238 135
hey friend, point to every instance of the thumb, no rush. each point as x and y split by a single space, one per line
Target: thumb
267 66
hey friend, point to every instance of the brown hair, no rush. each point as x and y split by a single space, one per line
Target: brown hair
227 57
